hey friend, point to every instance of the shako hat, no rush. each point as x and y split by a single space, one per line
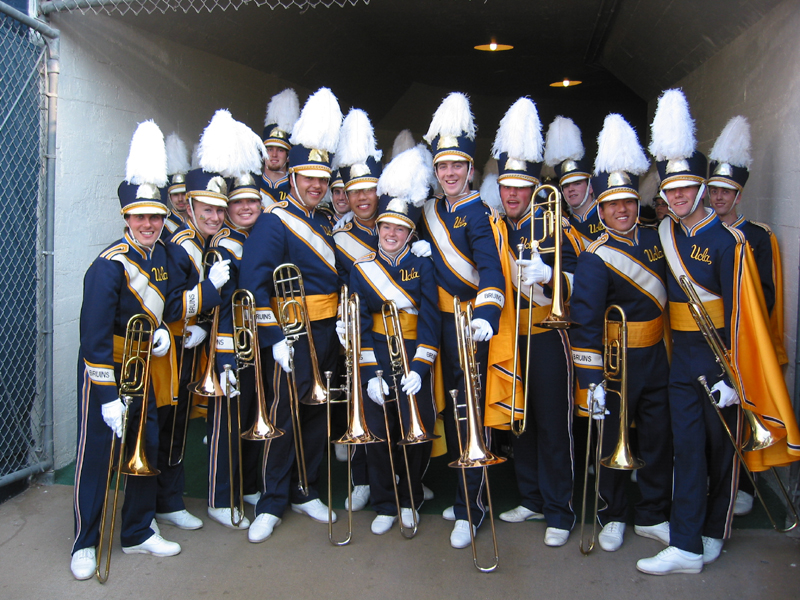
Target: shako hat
145 173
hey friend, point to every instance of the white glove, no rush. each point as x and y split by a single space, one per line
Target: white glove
194 336
481 330
343 220
281 352
727 395
421 248
598 403
534 270
231 379
112 415
341 331
411 383
219 273
161 342
377 389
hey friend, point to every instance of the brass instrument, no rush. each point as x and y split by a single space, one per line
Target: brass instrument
134 383
760 436
615 368
228 400
417 433
357 431
208 385
474 453
558 318
293 318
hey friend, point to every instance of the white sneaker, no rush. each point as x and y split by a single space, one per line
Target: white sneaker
154 526
223 517
360 498
182 519
341 452
427 493
155 545
261 528
83 564
520 514
658 532
711 549
252 499
671 560
449 514
460 538
382 523
554 537
610 539
314 509
743 504
407 517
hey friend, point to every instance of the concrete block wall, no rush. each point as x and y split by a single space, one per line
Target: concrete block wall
112 78
757 76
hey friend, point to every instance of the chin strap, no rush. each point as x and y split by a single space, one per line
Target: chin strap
617 231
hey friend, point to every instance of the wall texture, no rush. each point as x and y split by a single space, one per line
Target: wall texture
112 78
757 76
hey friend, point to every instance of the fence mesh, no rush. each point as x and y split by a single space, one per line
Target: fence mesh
164 6
22 184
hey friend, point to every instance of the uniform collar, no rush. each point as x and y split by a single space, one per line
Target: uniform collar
739 222
592 210
229 224
705 223
469 198
364 228
299 205
624 240
397 259
145 253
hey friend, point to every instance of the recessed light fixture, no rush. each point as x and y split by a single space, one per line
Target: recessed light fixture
566 83
493 47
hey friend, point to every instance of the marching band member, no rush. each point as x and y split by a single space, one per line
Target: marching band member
128 278
292 230
457 230
206 191
719 264
543 453
394 273
625 266
282 113
340 205
243 209
177 167
565 153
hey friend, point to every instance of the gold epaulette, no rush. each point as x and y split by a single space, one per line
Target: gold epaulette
366 258
220 235
115 250
274 205
597 243
763 226
734 232
346 227
182 236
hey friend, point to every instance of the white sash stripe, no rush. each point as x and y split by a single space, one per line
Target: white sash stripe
232 245
139 282
490 297
225 342
351 245
539 299
367 357
674 261
634 271
457 263
302 230
387 288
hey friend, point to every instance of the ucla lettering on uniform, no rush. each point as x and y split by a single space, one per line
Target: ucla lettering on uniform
160 273
596 228
460 222
702 256
327 230
525 243
409 274
654 254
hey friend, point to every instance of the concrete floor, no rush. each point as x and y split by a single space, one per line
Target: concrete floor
298 562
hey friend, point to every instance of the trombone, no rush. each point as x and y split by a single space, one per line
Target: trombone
357 431
474 453
417 434
760 436
615 368
134 383
293 318
558 318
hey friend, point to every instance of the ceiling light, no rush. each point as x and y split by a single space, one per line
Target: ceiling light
493 47
565 83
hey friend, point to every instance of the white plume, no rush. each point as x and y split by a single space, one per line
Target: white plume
409 176
649 186
490 193
177 155
491 166
319 122
733 144
520 133
453 117
356 140
196 156
147 157
672 131
563 142
250 152
283 110
221 150
618 148
403 141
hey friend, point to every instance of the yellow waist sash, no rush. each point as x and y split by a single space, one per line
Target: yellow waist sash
407 321
680 318
538 314
643 334
446 302
161 370
320 306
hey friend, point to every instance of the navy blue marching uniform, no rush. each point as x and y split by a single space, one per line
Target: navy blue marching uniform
411 282
353 242
630 273
274 192
588 227
543 454
468 266
289 232
125 280
174 221
759 238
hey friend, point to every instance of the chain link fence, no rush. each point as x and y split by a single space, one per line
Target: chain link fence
135 7
22 306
